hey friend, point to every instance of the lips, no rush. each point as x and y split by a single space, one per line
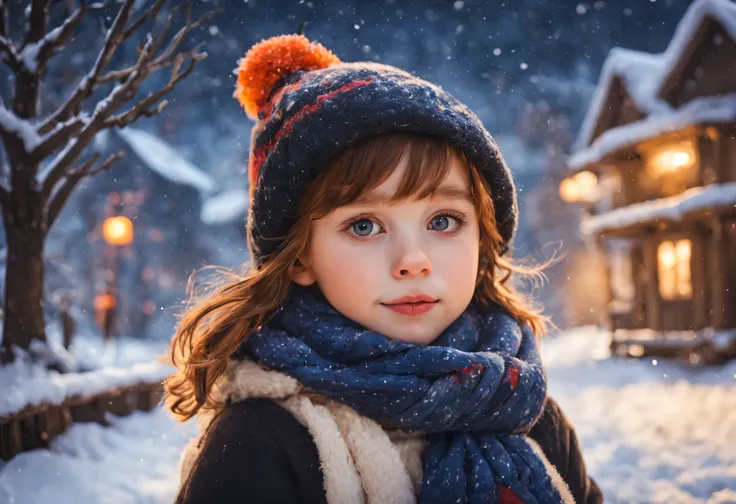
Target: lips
412 305
412 298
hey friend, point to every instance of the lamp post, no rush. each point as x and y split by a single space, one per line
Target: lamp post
117 232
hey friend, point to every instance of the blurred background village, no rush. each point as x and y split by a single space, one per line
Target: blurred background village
617 119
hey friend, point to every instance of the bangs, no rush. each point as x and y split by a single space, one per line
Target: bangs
369 162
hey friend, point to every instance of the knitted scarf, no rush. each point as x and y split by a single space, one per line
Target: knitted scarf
474 392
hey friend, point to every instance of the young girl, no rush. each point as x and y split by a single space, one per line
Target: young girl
376 350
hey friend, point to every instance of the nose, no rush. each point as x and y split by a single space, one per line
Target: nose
411 261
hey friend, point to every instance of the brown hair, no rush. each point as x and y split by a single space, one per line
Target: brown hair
217 322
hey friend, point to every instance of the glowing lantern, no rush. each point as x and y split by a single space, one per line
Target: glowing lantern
569 190
118 230
580 187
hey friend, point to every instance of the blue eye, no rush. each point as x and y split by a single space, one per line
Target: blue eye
363 227
440 223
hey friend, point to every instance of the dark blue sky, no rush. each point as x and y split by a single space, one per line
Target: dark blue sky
495 55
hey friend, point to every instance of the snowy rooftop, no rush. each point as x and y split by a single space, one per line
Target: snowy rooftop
635 69
643 75
164 159
225 207
700 110
663 209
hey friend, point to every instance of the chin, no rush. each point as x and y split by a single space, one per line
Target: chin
417 336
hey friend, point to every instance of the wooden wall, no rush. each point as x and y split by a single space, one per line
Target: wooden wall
713 277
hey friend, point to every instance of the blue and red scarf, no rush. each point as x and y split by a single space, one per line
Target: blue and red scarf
474 392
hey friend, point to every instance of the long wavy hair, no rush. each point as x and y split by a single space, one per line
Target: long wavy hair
219 317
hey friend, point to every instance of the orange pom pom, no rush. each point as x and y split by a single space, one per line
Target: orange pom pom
269 60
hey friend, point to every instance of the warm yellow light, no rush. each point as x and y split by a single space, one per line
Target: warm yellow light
683 250
671 159
667 255
675 281
118 230
569 190
680 159
105 302
580 187
587 182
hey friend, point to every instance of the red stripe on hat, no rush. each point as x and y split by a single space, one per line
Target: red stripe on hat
264 113
259 155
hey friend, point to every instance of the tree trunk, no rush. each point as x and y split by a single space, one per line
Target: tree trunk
24 315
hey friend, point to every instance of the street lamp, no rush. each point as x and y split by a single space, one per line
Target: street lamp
117 232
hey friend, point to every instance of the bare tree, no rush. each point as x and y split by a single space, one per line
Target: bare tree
45 157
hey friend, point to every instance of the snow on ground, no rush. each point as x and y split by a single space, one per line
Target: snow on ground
122 362
651 432
134 461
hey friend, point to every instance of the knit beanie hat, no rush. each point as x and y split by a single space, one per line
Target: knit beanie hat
309 107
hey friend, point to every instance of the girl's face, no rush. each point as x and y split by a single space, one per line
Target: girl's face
405 269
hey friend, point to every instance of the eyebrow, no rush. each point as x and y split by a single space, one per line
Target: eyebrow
449 192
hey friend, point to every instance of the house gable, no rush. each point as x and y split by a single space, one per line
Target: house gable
706 67
624 94
705 35
618 109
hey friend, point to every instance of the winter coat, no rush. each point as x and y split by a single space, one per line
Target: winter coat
274 442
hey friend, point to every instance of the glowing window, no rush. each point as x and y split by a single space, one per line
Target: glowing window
673 258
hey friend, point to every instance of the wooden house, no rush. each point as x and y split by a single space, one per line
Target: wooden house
655 165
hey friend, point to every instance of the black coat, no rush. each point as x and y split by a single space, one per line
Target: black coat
256 452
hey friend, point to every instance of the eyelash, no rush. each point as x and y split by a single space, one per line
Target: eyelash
459 218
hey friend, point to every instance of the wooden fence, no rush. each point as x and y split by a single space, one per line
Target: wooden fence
36 426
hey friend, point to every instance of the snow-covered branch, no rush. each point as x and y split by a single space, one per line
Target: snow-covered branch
168 57
61 195
142 108
87 85
104 109
36 54
150 13
37 21
58 137
13 128
11 56
36 195
81 132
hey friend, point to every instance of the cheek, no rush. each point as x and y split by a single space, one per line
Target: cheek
459 264
340 266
